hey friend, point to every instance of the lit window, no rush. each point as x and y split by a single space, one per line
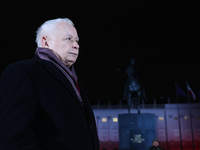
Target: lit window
115 119
160 118
186 117
104 119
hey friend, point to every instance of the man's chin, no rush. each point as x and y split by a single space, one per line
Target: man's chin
69 62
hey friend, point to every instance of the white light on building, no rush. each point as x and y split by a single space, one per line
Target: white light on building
104 119
115 119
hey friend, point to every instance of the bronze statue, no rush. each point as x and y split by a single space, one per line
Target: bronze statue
134 90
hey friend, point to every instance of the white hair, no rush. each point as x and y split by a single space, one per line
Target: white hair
47 27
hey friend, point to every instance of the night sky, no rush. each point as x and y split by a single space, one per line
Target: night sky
164 37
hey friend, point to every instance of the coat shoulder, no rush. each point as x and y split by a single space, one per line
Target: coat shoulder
28 65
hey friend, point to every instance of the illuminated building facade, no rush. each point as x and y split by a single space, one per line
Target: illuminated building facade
177 125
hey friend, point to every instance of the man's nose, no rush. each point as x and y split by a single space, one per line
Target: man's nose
76 45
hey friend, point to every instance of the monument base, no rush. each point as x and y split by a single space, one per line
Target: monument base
136 131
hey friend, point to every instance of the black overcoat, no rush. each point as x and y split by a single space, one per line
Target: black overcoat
39 110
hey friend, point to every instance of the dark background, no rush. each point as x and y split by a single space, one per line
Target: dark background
162 36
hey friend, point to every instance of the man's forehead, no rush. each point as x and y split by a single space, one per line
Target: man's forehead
67 29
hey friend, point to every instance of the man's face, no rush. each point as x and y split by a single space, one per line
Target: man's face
64 41
155 143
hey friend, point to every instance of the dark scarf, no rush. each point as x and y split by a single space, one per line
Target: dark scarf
47 54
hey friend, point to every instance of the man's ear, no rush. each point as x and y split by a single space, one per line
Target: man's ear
44 42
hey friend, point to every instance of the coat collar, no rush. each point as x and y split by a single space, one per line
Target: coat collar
58 75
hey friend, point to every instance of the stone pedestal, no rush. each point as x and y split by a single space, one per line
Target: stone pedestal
136 131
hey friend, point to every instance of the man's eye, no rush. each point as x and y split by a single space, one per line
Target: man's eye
68 39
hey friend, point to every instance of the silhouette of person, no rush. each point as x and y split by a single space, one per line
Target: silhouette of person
155 145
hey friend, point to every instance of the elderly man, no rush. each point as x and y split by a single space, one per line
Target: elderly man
43 106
